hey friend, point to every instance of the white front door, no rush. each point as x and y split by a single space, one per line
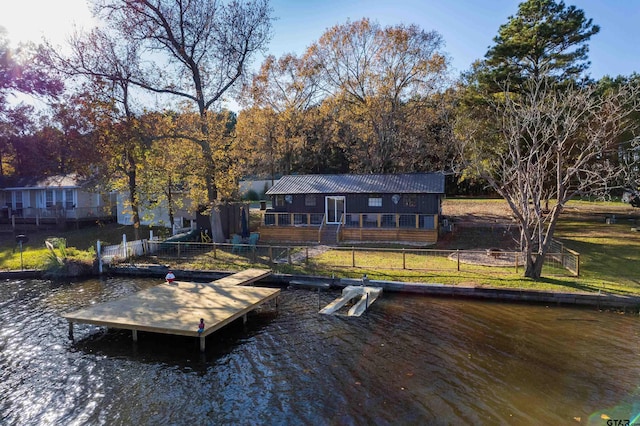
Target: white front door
334 208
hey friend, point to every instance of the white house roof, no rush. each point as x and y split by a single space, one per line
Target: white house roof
52 182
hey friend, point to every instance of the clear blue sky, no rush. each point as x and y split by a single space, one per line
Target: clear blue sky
467 26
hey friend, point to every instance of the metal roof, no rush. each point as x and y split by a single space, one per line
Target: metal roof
407 183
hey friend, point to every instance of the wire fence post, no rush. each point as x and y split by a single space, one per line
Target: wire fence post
404 259
353 257
215 251
458 258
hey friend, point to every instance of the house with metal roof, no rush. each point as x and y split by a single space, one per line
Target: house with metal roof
333 209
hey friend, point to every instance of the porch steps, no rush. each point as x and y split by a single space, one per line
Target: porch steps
328 235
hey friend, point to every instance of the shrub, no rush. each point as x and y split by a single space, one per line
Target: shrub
252 195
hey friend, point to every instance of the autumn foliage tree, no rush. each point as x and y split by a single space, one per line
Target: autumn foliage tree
199 49
273 127
20 72
380 77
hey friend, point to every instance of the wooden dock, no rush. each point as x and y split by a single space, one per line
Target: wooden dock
177 308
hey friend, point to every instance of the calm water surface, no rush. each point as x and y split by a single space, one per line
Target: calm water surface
409 360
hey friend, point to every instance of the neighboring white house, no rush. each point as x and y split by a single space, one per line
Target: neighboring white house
65 197
156 216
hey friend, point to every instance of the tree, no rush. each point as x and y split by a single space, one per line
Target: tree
374 73
550 144
272 127
199 49
107 67
20 72
544 39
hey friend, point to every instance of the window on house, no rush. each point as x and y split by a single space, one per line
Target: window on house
410 200
279 200
18 197
68 199
310 200
49 198
375 201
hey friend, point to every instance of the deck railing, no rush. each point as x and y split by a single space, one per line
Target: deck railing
391 220
292 219
354 220
60 213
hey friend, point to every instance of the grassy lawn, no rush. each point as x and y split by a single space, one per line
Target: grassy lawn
609 253
81 244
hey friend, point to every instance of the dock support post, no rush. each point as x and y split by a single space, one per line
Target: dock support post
71 330
244 319
202 340
99 256
134 335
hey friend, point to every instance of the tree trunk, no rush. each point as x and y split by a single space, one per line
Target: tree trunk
216 225
534 266
133 197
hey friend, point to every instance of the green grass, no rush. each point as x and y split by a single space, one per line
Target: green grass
81 244
609 254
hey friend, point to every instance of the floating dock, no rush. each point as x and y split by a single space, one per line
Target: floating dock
177 308
367 296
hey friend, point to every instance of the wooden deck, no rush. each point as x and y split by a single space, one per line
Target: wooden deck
177 308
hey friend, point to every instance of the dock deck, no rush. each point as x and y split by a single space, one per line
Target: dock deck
177 308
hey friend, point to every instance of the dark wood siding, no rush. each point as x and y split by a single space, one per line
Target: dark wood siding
297 204
425 204
359 203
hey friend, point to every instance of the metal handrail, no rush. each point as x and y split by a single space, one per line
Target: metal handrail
320 228
339 226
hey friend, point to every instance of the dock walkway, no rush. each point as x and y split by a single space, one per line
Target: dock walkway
177 308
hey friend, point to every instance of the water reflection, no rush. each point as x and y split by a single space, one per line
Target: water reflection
409 360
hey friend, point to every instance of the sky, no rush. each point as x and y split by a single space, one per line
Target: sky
467 26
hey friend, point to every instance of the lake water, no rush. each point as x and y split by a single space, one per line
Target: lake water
409 360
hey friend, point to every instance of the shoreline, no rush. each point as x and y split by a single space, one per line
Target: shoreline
598 300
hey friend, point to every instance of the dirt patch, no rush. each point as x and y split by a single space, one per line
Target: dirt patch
485 258
472 211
